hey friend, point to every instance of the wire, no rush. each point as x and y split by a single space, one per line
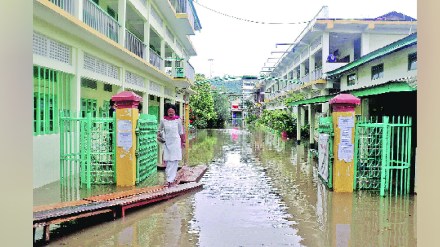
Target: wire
247 20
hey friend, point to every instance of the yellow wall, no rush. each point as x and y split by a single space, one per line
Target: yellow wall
343 172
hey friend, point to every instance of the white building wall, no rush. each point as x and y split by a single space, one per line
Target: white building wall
377 41
46 159
395 67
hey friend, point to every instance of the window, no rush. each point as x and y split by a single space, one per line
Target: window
88 105
51 96
108 88
87 83
377 72
351 79
112 13
412 61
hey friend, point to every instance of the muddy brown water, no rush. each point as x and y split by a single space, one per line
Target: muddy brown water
259 190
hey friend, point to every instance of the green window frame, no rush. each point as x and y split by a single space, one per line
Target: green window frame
51 96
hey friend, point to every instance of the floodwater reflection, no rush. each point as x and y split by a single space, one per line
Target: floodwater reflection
259 190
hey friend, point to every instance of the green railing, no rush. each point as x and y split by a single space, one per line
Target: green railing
146 148
87 153
325 151
383 155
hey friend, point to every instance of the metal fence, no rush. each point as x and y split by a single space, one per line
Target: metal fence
325 150
87 153
383 154
146 148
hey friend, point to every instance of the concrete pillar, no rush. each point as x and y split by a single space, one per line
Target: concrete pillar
122 12
302 70
325 47
343 145
122 79
162 54
146 48
147 32
145 100
311 65
298 124
75 86
312 125
365 43
127 115
161 107
365 108
79 6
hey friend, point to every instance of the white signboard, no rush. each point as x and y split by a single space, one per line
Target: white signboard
124 125
323 156
346 147
124 136
345 122
125 140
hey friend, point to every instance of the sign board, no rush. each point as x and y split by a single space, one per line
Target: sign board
323 155
124 136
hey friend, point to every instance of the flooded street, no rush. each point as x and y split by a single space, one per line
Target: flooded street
258 191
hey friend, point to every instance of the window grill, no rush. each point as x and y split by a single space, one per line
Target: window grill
99 66
52 49
51 95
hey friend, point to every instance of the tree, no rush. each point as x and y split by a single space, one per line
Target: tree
201 103
222 109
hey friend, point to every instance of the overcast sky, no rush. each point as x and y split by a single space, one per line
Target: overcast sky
241 48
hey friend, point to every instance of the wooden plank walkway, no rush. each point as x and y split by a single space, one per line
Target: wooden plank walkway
118 202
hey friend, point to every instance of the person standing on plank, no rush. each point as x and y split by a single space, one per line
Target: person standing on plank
172 131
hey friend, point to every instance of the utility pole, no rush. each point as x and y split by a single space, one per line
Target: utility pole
210 67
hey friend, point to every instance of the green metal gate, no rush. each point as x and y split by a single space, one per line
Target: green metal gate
87 153
383 155
325 150
154 110
146 148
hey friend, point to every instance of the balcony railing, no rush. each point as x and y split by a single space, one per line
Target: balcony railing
316 74
134 44
190 72
305 78
181 6
155 59
67 5
98 19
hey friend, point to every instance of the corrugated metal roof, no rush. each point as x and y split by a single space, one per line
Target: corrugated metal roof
396 86
393 47
386 88
319 99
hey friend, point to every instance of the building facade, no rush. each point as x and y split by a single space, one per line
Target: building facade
325 45
86 51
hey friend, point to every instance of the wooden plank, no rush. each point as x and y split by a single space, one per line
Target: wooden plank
193 174
70 218
59 205
176 191
122 194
